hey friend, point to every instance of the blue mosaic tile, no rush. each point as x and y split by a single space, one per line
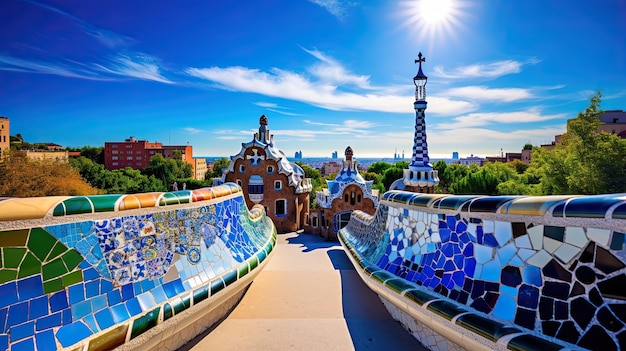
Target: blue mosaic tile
119 313
24 345
104 318
91 323
38 307
30 287
18 314
48 322
19 332
45 341
72 333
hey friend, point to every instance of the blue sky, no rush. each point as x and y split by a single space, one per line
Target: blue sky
327 73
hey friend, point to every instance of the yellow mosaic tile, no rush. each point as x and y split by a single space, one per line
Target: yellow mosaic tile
148 199
129 202
28 207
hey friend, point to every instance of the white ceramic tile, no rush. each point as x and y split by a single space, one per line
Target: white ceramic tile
536 236
551 245
567 252
540 259
600 236
576 236
503 232
523 242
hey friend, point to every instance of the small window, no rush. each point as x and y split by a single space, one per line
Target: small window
242 168
358 198
270 169
239 183
345 197
114 158
314 222
278 185
281 207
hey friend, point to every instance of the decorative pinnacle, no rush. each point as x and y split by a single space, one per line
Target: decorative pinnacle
420 59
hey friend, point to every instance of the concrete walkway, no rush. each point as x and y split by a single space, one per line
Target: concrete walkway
308 297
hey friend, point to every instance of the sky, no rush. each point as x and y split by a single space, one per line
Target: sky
327 73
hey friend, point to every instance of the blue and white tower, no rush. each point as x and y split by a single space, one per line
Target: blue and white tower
420 177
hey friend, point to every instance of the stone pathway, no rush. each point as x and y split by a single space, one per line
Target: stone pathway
308 297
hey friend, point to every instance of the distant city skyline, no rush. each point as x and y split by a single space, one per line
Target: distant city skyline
327 73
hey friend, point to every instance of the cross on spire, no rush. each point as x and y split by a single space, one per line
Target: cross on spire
420 59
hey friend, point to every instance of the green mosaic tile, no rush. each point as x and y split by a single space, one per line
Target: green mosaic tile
143 323
181 304
168 312
109 340
59 210
104 203
217 285
57 250
243 270
1 264
53 286
53 269
254 262
77 205
230 277
7 275
72 259
40 243
168 199
13 238
200 294
13 256
30 266
72 278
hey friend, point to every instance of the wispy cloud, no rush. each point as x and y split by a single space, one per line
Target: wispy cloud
531 115
273 107
9 63
483 93
488 70
325 88
192 130
337 8
141 67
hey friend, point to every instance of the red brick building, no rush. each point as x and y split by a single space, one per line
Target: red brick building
136 153
268 178
348 192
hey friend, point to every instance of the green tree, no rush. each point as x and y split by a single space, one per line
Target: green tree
585 161
378 167
218 167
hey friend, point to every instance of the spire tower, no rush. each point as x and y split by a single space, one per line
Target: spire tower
420 177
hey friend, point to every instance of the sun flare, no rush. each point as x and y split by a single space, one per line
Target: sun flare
433 19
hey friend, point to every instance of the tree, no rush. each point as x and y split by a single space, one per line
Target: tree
23 177
585 161
378 167
218 167
519 166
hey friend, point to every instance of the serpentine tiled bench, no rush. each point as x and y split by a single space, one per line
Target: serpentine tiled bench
497 272
137 271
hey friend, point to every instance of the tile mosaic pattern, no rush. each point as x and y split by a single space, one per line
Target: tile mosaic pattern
565 282
91 282
41 207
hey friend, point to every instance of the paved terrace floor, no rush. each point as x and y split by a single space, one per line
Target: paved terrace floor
308 297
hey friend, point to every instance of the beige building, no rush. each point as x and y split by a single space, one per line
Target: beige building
199 168
5 136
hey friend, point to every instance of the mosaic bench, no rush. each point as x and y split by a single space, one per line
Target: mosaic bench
139 271
497 272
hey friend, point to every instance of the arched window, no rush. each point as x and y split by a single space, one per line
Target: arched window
278 185
242 168
345 197
270 169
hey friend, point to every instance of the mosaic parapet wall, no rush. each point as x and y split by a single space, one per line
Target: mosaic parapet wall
498 272
96 272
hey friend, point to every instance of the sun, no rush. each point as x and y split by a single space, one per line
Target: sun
433 19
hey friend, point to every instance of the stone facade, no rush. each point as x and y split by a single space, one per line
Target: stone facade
269 179
348 192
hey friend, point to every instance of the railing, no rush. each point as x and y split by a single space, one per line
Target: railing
498 272
145 271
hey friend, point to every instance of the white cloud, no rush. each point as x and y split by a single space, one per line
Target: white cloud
488 70
335 7
192 130
141 66
330 71
484 93
321 93
531 115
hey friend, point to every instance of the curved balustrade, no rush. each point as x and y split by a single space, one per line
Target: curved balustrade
145 271
497 272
